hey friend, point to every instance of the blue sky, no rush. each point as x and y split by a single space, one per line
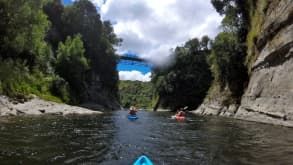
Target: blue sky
123 66
130 66
67 2
151 28
126 67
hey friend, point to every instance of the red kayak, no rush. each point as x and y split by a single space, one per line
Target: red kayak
179 117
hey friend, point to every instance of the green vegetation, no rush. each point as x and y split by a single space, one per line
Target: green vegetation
136 93
24 54
71 63
256 13
55 52
185 82
226 64
189 80
63 53
229 52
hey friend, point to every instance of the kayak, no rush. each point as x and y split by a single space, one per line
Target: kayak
179 117
143 160
132 117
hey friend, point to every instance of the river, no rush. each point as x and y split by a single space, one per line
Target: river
112 139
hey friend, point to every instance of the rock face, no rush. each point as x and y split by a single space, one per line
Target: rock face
96 96
269 95
37 106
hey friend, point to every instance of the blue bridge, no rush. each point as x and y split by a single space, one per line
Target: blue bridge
133 60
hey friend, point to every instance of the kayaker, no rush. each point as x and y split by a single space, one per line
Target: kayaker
132 110
180 112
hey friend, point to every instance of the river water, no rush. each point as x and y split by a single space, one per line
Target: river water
112 139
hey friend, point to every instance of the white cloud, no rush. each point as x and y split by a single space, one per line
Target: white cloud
151 28
134 75
160 56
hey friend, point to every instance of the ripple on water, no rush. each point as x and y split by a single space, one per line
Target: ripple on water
113 139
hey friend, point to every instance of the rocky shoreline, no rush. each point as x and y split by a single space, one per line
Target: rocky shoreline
37 106
242 113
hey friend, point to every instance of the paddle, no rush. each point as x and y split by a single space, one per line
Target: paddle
181 109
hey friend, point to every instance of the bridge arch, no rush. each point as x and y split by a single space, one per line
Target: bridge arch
133 60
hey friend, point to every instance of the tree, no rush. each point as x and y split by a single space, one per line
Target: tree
229 48
204 43
71 63
236 18
186 82
98 38
47 38
23 31
227 63
135 93
24 54
54 10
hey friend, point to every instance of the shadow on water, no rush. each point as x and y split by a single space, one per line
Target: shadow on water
113 139
54 139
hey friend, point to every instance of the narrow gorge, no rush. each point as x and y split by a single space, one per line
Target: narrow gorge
268 97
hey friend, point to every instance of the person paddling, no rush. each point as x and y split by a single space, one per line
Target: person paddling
132 110
180 112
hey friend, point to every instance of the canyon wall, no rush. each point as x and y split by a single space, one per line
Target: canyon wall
268 97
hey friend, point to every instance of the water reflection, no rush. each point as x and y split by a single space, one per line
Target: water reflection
113 139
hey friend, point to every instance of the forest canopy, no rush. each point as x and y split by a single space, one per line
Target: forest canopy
206 68
57 52
66 53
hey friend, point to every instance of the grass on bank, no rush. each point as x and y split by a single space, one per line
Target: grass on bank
17 81
257 15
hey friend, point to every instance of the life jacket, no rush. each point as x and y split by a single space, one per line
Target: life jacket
132 112
180 113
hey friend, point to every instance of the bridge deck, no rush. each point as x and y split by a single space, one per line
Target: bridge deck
130 58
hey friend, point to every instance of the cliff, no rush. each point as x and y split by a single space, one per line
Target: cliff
268 97
97 97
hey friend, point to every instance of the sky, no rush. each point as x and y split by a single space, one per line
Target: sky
151 28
